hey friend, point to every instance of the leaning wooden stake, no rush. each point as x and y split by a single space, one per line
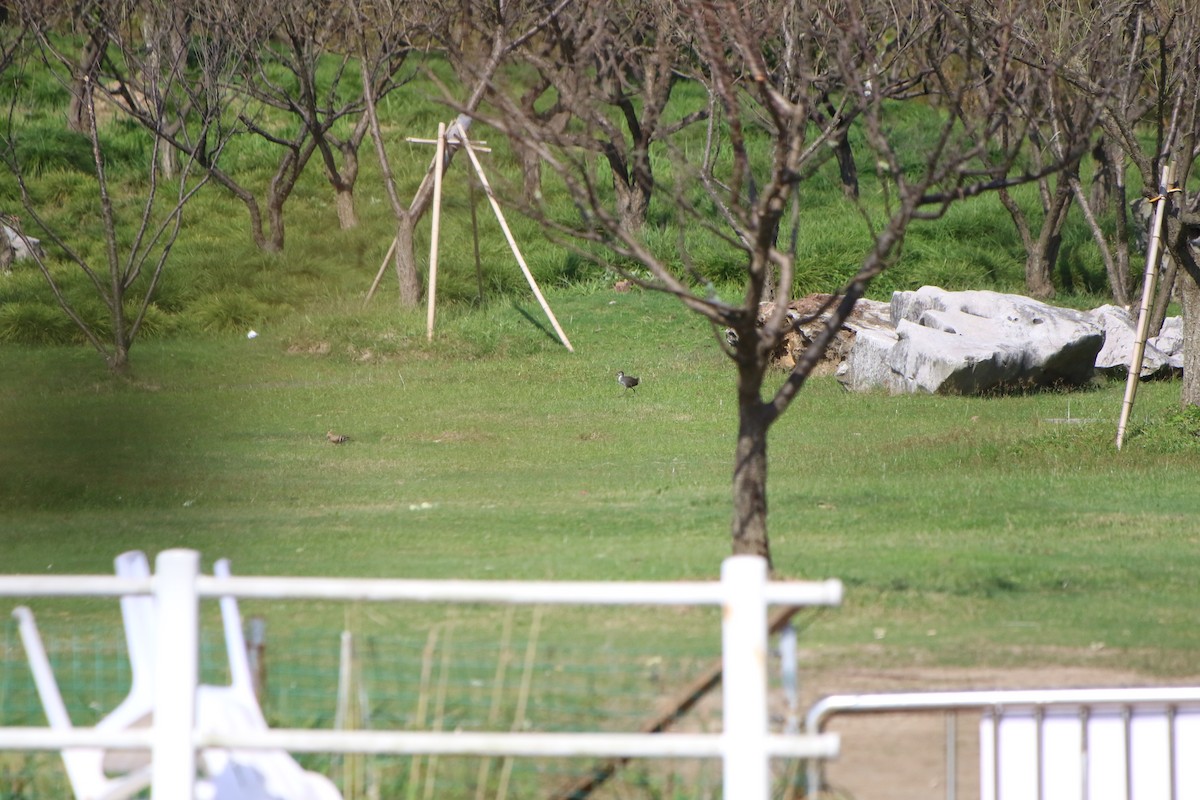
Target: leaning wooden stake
438 169
379 275
671 711
475 235
512 243
1139 342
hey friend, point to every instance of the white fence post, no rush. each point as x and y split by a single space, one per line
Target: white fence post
747 769
177 673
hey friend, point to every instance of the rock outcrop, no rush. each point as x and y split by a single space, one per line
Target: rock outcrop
973 342
1163 357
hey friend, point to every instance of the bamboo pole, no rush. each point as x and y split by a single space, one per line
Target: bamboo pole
497 693
414 772
475 234
1139 342
438 169
522 697
439 716
512 243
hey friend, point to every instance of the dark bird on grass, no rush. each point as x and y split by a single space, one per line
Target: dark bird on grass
628 381
336 438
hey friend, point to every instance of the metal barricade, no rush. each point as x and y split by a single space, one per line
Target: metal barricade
1055 744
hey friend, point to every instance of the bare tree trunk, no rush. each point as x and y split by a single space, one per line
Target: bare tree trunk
1041 254
274 241
847 169
1189 291
531 170
531 162
1162 295
403 257
348 177
89 62
344 201
1039 267
280 189
343 178
118 362
1115 256
749 527
257 232
1104 178
1117 201
406 263
750 488
633 203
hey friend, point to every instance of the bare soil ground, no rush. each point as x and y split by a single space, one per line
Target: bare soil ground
903 756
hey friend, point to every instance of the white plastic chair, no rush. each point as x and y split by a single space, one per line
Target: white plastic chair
85 766
249 773
233 774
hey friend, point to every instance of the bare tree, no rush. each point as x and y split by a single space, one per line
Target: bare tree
861 60
306 74
1068 40
1109 194
613 67
466 37
1116 69
282 50
138 237
1150 114
380 31
1176 117
381 26
1042 237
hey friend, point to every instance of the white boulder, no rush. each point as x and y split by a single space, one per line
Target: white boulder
1170 340
1163 356
972 343
22 249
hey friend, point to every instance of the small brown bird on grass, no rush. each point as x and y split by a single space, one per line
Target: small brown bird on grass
336 438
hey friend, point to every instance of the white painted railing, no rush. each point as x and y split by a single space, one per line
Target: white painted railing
744 592
1055 744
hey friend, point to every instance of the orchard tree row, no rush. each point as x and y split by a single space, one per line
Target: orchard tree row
1086 102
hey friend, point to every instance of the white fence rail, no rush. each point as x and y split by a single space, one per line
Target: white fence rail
744 592
1056 744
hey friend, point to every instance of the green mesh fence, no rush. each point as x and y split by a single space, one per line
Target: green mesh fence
525 672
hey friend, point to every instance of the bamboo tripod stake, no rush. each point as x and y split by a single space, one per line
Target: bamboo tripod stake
1139 342
438 169
512 243
459 133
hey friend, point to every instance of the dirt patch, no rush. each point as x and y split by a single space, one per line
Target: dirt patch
904 756
309 348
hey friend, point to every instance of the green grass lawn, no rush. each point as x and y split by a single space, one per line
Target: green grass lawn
967 530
